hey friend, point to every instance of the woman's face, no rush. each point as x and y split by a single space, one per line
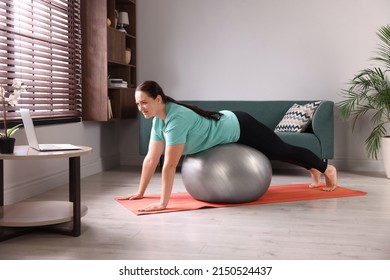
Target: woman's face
148 106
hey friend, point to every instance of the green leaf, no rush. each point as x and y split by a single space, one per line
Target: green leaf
12 130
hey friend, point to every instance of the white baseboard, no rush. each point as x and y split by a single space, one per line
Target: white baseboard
131 160
32 187
358 165
351 165
94 166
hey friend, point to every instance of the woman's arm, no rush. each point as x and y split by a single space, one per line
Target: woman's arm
149 166
150 163
171 160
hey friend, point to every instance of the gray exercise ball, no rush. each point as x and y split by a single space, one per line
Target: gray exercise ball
230 173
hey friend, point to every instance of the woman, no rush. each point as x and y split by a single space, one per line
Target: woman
185 129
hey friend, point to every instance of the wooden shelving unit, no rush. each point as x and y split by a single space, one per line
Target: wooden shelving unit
104 57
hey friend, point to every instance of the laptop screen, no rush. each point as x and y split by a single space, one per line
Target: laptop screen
29 128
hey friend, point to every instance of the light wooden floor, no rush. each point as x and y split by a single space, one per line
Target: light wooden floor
330 229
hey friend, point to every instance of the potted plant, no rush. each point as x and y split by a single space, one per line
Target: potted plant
369 95
7 143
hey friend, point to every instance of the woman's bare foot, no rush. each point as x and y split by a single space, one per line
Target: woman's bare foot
330 178
315 176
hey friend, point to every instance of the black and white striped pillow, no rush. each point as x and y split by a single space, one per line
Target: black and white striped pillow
297 118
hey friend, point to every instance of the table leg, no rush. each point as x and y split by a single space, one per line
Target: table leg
74 193
1 190
75 198
1 182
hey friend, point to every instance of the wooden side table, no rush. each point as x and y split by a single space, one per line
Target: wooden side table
20 218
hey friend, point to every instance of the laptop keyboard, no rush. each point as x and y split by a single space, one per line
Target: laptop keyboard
48 146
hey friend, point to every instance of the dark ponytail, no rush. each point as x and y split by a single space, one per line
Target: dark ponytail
153 90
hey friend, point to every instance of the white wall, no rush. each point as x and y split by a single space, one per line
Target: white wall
259 50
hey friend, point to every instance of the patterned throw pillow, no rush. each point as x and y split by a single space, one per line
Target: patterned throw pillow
297 118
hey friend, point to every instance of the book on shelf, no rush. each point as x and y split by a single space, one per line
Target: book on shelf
115 80
119 86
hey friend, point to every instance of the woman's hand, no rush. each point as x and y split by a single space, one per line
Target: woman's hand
131 196
153 207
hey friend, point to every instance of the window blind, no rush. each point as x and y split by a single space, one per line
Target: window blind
40 44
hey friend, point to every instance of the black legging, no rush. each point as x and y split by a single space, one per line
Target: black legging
257 135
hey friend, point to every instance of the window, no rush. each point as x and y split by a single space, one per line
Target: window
40 44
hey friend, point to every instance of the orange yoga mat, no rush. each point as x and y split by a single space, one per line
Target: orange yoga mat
275 194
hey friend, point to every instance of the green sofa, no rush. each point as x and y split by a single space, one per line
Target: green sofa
318 137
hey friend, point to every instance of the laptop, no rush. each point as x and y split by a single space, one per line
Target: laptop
33 140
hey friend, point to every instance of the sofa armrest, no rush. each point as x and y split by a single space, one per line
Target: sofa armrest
323 128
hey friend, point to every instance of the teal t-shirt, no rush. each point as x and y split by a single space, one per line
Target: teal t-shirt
184 126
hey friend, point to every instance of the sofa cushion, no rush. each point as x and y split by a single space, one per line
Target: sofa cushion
297 118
